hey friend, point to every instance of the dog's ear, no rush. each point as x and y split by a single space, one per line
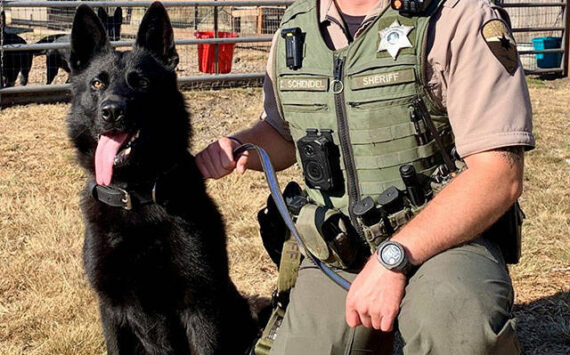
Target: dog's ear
118 16
156 35
88 38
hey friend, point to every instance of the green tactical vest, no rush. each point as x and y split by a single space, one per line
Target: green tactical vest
365 97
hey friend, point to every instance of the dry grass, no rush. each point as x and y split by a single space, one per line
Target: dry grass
46 306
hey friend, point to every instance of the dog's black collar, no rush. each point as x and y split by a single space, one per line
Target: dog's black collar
117 197
128 198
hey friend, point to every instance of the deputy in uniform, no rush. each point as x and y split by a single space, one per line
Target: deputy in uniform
362 68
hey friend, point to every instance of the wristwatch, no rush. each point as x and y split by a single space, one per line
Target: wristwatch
393 257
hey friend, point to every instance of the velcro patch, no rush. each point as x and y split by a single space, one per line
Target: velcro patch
304 83
367 81
499 38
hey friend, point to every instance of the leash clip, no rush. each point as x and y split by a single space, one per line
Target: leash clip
154 192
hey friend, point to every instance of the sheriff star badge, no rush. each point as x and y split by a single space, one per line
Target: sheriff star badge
394 38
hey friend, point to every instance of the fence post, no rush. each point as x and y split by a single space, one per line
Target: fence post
2 25
566 39
216 48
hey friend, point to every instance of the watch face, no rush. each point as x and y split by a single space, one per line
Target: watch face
392 255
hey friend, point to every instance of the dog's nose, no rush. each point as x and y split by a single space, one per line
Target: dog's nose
112 111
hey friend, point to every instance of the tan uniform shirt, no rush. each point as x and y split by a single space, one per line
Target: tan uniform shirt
488 107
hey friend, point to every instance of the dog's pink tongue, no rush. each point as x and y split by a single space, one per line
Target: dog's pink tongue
105 156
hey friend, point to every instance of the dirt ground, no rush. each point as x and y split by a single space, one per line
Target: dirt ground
47 307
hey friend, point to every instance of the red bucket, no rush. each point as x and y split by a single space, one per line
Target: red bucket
206 52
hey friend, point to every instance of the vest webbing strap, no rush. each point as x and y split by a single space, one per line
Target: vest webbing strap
264 344
384 134
398 158
403 59
375 186
288 270
288 266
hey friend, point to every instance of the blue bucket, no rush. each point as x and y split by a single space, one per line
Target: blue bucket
547 60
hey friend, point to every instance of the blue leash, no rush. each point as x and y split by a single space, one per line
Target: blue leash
280 203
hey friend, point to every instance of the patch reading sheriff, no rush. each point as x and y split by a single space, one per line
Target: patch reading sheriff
501 43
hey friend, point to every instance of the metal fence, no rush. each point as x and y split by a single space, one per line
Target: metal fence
39 25
540 20
42 25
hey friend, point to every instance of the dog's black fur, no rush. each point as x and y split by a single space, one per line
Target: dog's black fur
14 62
58 58
160 270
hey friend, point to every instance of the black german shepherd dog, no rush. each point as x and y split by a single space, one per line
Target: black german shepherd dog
58 58
155 247
14 62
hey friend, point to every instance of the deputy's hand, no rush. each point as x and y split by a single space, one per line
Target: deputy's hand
217 160
374 297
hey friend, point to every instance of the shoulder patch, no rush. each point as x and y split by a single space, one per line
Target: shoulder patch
498 37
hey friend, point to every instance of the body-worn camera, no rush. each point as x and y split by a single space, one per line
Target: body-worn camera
320 158
294 39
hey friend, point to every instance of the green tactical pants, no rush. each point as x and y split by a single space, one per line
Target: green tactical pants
458 302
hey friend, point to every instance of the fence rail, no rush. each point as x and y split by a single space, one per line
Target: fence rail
117 44
191 6
185 80
56 4
556 11
530 23
531 4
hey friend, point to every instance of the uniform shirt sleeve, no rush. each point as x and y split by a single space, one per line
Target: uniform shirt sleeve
488 107
271 113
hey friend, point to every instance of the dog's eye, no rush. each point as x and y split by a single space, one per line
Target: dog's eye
137 81
143 83
97 84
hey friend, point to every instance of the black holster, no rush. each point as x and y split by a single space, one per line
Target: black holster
506 232
272 228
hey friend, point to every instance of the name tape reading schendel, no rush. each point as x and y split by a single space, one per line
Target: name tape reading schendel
304 84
